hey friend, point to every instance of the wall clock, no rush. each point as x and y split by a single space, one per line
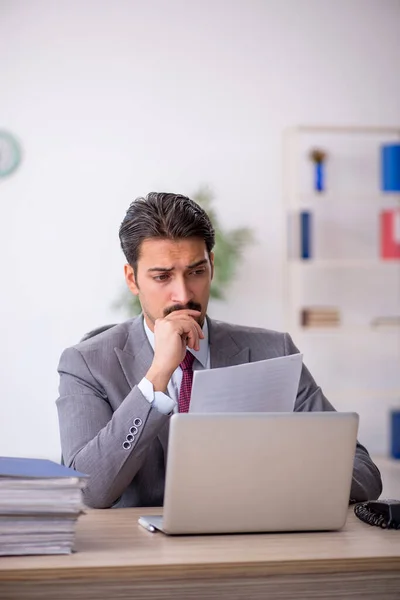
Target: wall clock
10 153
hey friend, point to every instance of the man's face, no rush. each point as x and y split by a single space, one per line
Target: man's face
171 275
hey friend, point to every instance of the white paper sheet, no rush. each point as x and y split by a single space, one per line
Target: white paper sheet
264 386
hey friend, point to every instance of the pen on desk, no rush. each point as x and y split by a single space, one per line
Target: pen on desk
146 525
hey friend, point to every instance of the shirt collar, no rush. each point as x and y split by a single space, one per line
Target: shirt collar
201 355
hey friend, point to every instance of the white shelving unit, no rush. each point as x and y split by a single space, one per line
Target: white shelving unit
356 364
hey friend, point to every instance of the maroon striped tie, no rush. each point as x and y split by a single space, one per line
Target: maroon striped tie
186 385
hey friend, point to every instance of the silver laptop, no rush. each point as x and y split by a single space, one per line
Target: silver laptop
257 472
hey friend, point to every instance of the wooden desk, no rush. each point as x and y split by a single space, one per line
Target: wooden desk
117 559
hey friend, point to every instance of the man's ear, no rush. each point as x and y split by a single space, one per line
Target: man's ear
212 264
131 279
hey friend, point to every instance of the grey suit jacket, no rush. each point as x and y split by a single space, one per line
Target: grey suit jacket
99 402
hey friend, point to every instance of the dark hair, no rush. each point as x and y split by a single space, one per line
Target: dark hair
165 216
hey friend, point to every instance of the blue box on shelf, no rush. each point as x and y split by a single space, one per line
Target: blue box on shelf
390 167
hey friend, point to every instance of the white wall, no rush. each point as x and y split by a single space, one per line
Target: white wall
114 99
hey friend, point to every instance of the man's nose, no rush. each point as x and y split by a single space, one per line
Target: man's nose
181 293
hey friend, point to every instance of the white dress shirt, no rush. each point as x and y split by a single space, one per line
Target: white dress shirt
164 403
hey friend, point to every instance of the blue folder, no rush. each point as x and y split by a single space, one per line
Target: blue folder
305 234
390 167
36 468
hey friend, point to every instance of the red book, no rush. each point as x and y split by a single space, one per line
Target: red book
390 233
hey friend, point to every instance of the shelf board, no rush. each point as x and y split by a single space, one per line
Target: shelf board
344 263
335 197
363 393
348 330
363 129
386 462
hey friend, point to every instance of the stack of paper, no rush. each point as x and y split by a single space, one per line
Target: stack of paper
40 502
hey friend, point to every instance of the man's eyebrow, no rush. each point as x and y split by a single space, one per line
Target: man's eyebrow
162 269
203 261
198 263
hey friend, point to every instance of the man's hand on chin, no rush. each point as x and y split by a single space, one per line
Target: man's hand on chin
172 334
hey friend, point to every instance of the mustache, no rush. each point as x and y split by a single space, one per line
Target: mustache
189 306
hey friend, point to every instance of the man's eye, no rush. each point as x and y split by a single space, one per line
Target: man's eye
162 277
198 272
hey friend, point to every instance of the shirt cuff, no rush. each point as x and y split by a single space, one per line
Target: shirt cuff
160 401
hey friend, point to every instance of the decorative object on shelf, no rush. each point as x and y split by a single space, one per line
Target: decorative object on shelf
228 252
395 433
319 317
390 167
390 233
10 153
318 157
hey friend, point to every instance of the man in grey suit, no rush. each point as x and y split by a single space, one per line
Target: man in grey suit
119 388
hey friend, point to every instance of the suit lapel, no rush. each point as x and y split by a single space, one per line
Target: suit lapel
135 360
224 351
136 356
